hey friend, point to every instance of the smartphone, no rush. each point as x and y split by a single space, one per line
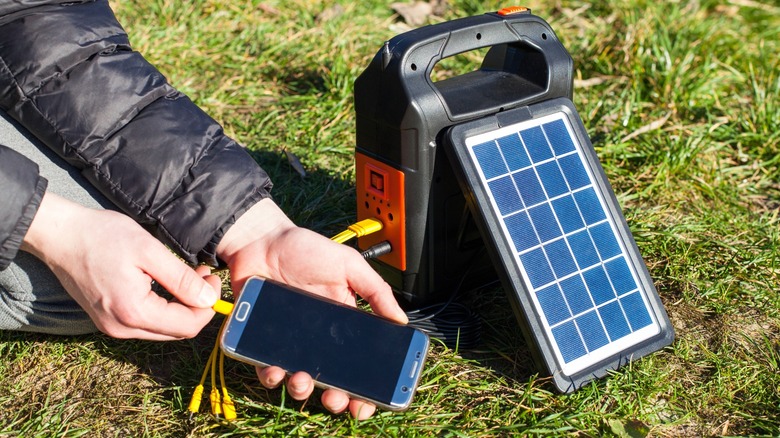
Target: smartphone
341 347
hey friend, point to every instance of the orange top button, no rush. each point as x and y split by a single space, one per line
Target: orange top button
512 10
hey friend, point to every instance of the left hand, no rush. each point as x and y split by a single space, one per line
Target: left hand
264 242
106 262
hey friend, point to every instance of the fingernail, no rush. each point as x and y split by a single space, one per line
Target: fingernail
208 296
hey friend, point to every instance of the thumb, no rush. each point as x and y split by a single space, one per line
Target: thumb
216 283
369 285
191 288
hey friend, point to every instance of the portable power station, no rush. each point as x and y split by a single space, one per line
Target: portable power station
490 174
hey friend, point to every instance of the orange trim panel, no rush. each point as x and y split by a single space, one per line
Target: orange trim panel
380 194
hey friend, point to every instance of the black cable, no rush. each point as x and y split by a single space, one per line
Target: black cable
454 323
457 326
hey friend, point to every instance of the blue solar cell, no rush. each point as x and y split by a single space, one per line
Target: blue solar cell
576 294
553 305
537 145
544 222
537 267
490 160
505 194
636 311
605 241
558 136
552 179
560 257
584 251
567 213
589 206
598 285
514 153
529 187
592 331
569 341
519 227
620 275
614 321
574 171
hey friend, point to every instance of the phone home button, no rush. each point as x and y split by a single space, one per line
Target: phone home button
243 311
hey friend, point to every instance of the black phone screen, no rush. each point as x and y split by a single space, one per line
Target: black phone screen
337 346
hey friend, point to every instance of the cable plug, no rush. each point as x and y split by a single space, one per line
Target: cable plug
216 405
228 407
377 250
366 227
358 229
223 307
197 396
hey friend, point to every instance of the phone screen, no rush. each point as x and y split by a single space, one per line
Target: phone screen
338 346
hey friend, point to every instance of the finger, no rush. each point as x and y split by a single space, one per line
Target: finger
270 377
152 314
335 401
155 333
179 279
369 285
168 319
300 385
213 280
361 410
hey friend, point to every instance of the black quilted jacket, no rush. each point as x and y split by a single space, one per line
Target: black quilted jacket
69 75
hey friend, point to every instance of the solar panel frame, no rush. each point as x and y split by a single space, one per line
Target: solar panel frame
530 278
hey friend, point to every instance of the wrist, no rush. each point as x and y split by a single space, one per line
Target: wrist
260 225
48 222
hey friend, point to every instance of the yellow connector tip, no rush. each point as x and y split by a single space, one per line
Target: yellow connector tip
223 307
216 403
197 396
228 408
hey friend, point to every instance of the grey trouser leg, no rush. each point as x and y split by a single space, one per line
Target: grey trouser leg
31 297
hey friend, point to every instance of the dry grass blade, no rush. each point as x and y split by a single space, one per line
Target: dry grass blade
652 126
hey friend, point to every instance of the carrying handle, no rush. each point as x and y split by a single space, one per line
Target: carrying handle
525 62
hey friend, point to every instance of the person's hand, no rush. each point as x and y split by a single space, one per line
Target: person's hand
264 242
107 262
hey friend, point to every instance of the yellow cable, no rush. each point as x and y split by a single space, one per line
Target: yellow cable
216 405
343 236
228 407
197 394
212 365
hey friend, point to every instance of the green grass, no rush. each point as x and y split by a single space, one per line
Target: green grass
681 102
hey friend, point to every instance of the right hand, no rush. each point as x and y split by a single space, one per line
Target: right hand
265 242
107 262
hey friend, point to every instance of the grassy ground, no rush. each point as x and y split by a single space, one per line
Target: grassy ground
680 100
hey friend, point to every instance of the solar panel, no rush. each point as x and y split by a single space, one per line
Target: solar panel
565 251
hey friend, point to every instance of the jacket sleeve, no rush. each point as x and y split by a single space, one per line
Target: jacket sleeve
69 75
22 190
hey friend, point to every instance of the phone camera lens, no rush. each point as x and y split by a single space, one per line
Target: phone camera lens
404 389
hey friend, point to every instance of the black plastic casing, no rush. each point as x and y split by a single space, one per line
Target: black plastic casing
401 115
